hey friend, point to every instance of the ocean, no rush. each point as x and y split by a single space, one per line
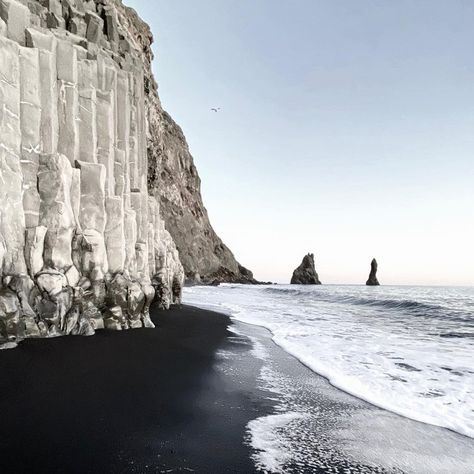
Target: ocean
409 350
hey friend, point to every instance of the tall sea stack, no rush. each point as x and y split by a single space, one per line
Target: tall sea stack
372 281
306 273
93 175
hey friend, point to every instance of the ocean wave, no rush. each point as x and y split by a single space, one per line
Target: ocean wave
404 349
417 308
276 290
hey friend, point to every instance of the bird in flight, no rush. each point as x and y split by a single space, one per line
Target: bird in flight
215 109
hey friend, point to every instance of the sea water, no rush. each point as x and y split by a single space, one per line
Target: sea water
409 350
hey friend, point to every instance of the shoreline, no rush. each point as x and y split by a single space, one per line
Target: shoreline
200 393
396 353
347 392
342 431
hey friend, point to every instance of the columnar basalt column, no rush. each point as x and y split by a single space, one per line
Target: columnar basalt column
82 244
30 115
87 103
106 137
12 223
134 132
46 44
16 17
56 214
122 111
130 229
68 100
115 234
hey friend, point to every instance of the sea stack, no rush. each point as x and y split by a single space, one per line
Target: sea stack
372 281
306 274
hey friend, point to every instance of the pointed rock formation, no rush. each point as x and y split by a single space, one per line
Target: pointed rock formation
306 274
372 281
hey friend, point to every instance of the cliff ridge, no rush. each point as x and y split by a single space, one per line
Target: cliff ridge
174 178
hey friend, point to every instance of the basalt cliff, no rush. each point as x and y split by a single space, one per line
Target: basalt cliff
99 195
204 256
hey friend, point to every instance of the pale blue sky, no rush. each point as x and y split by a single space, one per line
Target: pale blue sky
347 129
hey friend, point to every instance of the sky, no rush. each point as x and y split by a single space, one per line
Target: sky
346 130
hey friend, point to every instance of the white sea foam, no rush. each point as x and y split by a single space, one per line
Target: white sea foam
408 350
268 440
8 345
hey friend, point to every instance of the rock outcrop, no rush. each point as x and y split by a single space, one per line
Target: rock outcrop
83 245
306 273
173 176
372 281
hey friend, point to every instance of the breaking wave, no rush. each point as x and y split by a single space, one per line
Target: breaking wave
406 349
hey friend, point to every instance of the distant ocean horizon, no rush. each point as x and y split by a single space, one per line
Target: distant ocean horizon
396 285
407 349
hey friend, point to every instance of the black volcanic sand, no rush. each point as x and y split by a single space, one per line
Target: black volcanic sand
138 401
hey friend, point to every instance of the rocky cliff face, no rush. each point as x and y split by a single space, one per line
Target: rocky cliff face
83 245
306 273
174 178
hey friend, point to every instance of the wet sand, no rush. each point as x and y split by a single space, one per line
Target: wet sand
317 428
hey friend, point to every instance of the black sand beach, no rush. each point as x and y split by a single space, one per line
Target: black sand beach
180 398
137 401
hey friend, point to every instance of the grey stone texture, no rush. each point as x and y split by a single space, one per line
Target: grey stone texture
17 17
83 245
